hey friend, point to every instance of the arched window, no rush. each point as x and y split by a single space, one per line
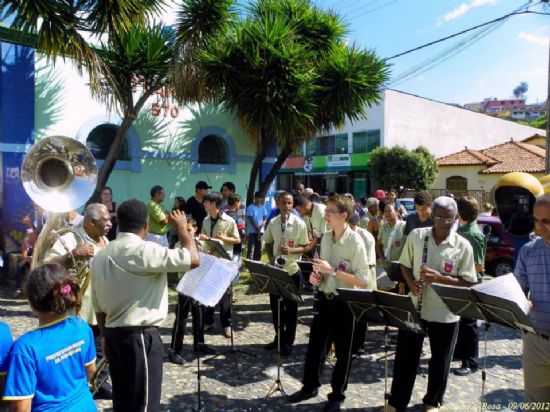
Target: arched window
213 150
101 138
457 184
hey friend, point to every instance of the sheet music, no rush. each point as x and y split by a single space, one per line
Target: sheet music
506 287
208 282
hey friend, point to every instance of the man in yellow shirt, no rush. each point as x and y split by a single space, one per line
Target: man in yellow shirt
158 220
285 241
431 255
343 264
219 226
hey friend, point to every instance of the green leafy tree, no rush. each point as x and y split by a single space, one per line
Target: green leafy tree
287 73
397 166
126 57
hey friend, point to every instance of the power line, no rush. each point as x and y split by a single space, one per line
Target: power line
506 16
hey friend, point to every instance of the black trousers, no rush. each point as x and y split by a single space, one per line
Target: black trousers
184 306
289 314
332 323
467 343
254 246
407 357
135 358
225 310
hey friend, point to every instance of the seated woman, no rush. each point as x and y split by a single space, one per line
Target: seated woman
49 367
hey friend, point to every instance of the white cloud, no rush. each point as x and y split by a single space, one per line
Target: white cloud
464 8
534 38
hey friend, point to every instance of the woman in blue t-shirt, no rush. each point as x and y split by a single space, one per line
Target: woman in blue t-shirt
49 367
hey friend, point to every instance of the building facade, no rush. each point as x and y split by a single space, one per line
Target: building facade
338 161
168 145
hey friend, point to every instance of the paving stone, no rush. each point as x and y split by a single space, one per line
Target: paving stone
238 382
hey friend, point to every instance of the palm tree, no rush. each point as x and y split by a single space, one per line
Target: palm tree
287 73
126 56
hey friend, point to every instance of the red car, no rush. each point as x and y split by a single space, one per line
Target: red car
500 250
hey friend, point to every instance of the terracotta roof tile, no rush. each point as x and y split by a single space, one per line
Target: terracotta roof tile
466 157
503 158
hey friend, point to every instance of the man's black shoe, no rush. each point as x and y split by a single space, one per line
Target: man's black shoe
271 345
176 357
464 370
332 406
204 349
302 395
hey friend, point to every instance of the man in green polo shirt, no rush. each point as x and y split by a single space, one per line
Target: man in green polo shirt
158 220
467 344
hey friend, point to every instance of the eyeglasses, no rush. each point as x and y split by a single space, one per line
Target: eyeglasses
331 211
446 220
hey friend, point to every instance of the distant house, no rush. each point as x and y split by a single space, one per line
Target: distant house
478 170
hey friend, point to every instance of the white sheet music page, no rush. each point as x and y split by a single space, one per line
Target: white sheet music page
506 287
208 282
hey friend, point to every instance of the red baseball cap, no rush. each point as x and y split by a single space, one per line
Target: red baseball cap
380 194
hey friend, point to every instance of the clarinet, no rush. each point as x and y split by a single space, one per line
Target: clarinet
424 263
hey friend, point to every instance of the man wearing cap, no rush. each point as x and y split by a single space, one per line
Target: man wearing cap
194 206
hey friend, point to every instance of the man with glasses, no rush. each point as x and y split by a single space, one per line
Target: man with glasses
533 274
431 255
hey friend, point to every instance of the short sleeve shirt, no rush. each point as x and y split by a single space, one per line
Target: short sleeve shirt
6 341
316 224
225 226
64 245
452 257
48 365
369 242
257 214
472 233
293 234
130 282
347 254
392 239
156 217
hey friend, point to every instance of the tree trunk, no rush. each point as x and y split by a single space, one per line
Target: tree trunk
109 162
256 166
281 158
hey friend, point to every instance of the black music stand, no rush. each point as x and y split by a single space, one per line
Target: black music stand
216 249
385 308
271 279
475 304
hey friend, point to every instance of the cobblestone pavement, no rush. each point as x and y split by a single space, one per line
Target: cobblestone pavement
240 382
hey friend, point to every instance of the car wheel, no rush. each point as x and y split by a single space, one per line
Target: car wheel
503 267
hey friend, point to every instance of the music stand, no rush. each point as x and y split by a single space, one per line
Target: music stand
276 281
386 308
216 248
475 304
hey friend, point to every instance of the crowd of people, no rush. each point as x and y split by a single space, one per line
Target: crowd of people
121 254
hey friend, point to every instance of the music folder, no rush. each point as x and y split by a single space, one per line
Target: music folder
215 247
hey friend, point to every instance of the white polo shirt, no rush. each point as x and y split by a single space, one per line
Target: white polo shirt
347 254
130 282
65 244
295 235
452 257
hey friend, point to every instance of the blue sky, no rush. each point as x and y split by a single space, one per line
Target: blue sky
491 67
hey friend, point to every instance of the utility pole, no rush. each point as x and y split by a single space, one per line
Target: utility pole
547 159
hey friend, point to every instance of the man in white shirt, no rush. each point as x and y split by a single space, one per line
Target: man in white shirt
130 297
431 255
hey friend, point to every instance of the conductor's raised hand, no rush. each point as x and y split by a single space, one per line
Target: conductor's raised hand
177 218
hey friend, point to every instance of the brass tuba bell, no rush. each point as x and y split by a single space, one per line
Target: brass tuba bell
59 174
